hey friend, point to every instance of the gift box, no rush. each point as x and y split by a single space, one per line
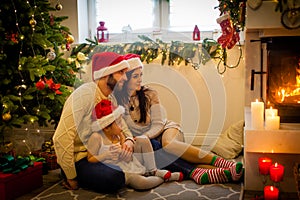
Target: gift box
50 158
23 182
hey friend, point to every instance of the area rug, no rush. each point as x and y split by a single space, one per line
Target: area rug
186 190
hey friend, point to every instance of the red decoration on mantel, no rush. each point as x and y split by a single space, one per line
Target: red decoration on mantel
196 33
102 33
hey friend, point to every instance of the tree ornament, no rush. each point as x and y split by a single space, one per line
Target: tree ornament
32 22
70 39
6 116
59 6
51 55
51 20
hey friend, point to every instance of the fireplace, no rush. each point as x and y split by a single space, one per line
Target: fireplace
283 77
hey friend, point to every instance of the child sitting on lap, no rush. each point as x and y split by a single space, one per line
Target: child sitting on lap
104 145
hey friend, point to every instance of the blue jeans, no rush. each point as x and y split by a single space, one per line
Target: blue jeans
99 177
165 160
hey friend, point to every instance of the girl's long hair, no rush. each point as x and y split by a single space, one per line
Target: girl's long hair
123 97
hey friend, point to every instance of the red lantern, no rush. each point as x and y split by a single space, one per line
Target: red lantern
102 33
196 33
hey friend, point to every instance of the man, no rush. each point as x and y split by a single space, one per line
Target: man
75 127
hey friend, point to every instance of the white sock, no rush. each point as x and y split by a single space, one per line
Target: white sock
176 176
164 174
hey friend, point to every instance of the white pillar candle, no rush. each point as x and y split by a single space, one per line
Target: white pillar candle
271 112
272 122
257 115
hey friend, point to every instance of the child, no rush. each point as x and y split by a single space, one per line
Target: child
104 146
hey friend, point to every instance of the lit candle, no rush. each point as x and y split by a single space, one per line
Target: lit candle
257 115
264 164
271 193
272 122
276 172
271 112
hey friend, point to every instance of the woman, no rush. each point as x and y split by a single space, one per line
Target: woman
144 117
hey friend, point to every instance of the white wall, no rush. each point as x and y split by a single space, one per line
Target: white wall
217 100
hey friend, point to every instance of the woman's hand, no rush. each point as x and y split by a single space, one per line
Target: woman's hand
127 150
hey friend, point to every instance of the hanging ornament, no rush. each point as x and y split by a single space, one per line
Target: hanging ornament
51 20
32 22
70 39
63 47
68 46
51 55
59 6
6 116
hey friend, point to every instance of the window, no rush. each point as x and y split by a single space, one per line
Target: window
184 16
154 16
120 15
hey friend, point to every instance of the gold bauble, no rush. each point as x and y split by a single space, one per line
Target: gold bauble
59 6
32 22
6 116
70 39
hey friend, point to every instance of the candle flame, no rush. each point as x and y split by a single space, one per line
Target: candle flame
276 164
271 188
256 100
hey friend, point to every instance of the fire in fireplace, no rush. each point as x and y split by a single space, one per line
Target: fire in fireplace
283 77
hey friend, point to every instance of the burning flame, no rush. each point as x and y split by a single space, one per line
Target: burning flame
290 91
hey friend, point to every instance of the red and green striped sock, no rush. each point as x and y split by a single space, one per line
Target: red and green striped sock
206 176
236 168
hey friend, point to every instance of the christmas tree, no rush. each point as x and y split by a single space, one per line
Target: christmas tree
35 75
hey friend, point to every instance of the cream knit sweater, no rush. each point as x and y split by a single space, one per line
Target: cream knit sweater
74 128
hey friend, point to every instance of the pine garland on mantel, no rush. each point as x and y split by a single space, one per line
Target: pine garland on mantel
173 53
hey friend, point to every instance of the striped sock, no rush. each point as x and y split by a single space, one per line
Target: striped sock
233 170
205 176
221 162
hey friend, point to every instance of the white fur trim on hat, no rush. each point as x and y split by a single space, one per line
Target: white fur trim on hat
111 69
134 63
103 122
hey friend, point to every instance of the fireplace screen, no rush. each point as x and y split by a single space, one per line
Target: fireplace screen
283 82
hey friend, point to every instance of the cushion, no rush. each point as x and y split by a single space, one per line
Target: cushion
230 143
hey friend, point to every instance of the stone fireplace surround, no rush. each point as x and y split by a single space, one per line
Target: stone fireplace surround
260 24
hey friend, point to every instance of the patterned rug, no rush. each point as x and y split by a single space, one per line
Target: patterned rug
186 190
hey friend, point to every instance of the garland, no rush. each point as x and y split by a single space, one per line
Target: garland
173 53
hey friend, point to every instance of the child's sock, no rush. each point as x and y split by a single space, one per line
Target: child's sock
233 170
205 176
218 161
164 174
176 176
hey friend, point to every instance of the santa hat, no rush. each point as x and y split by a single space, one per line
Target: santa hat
105 113
106 63
134 61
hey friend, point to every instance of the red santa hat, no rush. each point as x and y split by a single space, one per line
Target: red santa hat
134 61
105 113
106 63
